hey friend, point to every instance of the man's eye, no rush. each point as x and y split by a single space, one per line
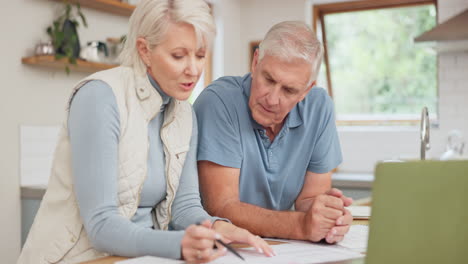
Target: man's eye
290 91
269 80
202 56
177 57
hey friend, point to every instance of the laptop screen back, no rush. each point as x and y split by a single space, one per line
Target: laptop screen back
419 213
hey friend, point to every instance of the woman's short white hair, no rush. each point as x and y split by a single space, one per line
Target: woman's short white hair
291 40
151 19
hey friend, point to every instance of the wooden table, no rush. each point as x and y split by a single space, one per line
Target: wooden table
106 260
113 259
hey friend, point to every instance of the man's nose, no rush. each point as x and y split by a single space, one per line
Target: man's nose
273 97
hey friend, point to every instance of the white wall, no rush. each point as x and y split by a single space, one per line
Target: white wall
453 78
241 21
258 16
228 40
31 95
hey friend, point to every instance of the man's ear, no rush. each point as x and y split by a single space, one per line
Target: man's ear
143 50
312 85
308 89
254 61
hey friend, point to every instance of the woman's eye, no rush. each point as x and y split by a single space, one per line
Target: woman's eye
177 57
201 56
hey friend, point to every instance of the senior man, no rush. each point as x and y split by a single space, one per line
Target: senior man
268 141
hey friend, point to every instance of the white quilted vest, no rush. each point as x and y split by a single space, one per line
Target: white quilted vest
57 234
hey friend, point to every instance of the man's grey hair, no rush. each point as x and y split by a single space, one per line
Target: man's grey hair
151 19
292 40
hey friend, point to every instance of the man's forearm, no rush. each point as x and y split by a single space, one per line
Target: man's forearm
264 222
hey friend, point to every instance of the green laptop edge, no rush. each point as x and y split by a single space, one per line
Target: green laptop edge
419 213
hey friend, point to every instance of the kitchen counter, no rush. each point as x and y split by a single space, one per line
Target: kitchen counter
33 192
340 180
352 180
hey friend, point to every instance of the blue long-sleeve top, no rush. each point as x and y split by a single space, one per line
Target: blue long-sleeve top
94 130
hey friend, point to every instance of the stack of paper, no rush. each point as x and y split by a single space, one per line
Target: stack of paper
360 212
150 260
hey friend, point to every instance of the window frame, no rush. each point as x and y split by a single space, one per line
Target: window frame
319 11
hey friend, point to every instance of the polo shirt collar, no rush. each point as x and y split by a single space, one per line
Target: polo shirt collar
294 118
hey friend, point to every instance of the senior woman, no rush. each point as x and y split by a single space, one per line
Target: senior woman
124 179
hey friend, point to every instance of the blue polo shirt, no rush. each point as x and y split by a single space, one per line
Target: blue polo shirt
271 173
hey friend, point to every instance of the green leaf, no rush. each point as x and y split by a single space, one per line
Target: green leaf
59 37
59 56
123 38
57 25
72 60
85 23
67 10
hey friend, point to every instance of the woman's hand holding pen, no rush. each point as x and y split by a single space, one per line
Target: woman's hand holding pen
232 233
198 243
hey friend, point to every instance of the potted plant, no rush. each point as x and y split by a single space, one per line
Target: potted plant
64 35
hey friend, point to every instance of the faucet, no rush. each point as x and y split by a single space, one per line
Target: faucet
424 132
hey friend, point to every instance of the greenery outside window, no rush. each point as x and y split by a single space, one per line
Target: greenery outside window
372 68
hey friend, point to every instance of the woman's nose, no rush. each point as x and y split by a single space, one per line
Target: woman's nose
192 68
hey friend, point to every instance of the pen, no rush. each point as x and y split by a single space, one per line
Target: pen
228 247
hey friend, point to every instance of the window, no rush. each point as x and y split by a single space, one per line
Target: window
372 68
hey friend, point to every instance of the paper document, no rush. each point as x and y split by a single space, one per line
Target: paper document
360 212
292 253
289 253
356 238
150 260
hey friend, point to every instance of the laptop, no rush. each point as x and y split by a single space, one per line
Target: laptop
419 213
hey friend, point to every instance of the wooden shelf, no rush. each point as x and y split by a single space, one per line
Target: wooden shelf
81 65
110 6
